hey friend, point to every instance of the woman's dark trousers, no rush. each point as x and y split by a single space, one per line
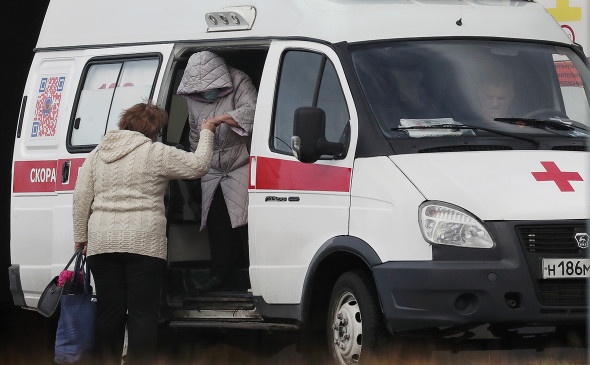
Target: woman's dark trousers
128 288
229 246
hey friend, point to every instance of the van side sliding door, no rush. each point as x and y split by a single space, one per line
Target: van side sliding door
72 98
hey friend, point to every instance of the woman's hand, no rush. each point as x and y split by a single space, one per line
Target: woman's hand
208 124
223 118
80 245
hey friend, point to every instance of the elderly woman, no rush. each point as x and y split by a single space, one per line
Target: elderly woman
119 220
227 97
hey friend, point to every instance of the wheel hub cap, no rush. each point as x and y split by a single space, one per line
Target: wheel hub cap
347 330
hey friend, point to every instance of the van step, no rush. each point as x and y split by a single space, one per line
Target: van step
212 314
220 296
235 325
219 300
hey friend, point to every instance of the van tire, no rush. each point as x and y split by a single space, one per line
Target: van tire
354 319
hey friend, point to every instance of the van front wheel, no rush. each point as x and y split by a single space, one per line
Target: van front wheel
353 318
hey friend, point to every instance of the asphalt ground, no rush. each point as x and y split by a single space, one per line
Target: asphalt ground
26 337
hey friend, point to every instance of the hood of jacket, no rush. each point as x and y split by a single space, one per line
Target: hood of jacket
205 71
117 144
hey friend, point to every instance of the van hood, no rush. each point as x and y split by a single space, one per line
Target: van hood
119 143
504 185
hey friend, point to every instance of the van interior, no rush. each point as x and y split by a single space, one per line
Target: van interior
189 258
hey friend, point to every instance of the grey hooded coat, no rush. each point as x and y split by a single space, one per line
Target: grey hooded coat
237 97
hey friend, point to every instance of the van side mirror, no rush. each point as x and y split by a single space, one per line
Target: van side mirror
309 136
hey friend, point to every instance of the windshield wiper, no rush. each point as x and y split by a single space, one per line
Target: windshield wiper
559 124
465 126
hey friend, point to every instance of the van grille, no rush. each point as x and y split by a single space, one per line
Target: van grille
551 239
464 148
570 148
491 148
562 292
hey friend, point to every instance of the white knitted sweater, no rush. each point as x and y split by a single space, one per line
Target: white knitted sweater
119 197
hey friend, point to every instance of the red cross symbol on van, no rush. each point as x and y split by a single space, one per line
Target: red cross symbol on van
561 178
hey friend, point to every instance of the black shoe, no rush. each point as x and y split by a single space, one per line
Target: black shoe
215 282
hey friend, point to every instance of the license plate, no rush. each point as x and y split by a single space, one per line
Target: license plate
566 268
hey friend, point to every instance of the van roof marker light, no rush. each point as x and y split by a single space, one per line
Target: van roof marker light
231 19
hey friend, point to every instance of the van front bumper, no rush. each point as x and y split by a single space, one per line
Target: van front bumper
434 294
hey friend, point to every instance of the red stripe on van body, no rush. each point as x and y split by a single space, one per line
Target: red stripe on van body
75 164
34 176
44 176
276 174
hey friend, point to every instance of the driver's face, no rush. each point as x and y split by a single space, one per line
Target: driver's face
495 99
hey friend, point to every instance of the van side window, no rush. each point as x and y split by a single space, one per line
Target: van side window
109 88
308 79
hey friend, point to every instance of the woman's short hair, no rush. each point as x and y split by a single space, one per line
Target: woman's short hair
146 118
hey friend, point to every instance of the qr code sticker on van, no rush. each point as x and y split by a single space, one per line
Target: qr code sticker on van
47 107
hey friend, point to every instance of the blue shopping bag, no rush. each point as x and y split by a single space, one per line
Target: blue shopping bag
74 339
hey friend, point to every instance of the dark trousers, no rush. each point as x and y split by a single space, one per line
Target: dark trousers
229 246
128 288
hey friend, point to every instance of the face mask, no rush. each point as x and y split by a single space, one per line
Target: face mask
210 94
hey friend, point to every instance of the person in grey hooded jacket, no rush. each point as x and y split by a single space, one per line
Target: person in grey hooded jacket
226 97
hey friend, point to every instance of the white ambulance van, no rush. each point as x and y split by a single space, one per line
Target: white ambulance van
416 166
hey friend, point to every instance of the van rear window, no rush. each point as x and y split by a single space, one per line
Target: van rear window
109 88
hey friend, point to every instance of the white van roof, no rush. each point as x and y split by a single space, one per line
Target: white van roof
82 23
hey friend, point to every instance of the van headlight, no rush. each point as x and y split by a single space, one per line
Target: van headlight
444 224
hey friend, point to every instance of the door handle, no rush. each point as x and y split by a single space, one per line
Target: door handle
253 172
65 172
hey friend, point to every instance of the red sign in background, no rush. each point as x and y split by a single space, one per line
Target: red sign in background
568 75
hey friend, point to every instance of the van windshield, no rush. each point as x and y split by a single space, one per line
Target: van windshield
463 88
